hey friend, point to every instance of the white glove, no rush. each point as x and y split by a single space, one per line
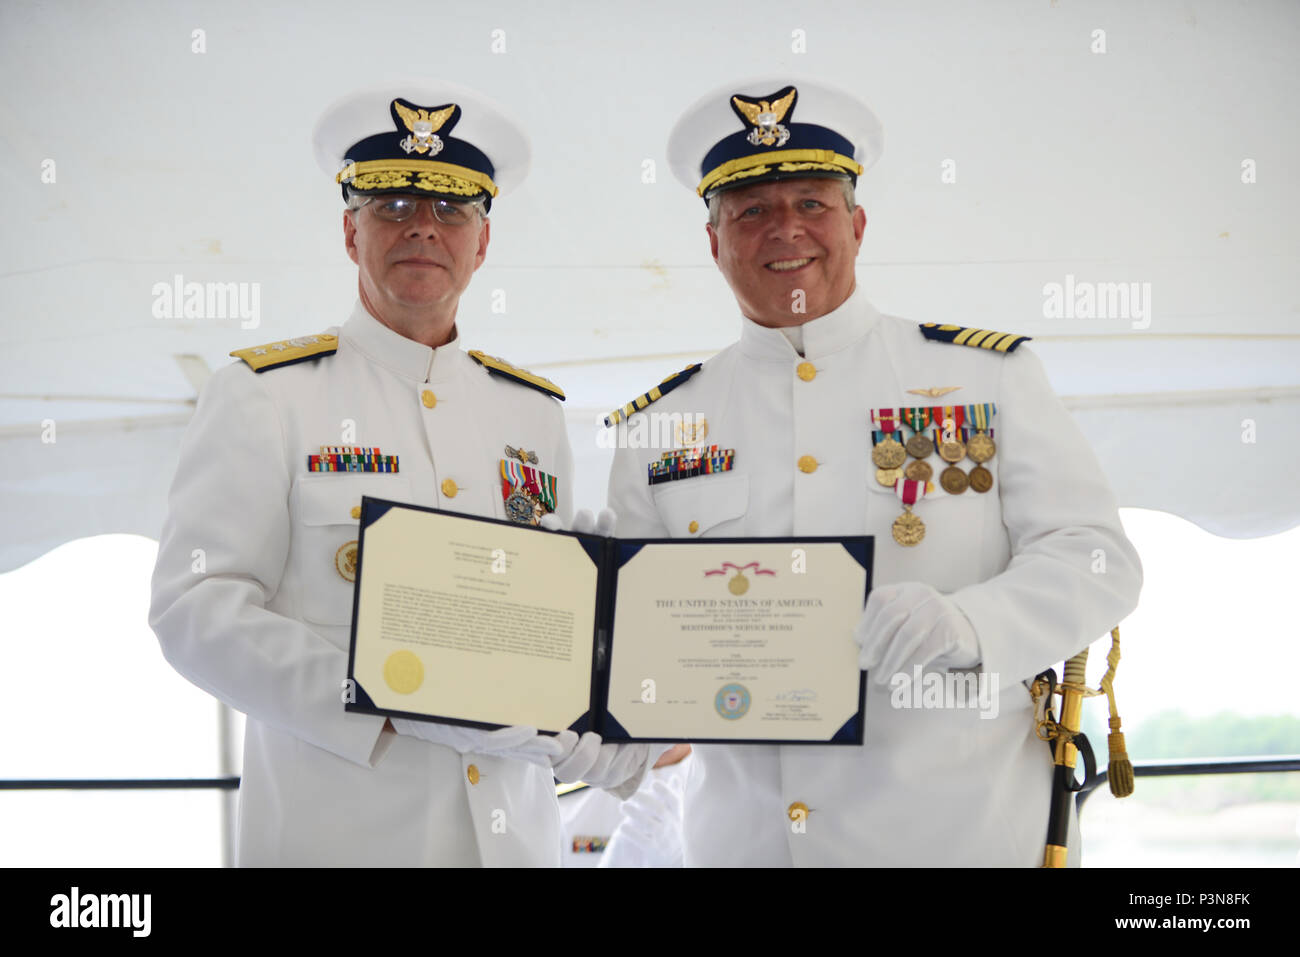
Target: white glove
650 833
910 624
604 765
519 742
603 524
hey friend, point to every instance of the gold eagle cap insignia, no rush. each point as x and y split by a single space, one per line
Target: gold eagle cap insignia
778 108
434 119
934 391
765 117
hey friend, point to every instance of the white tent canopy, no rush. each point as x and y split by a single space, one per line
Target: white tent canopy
1072 166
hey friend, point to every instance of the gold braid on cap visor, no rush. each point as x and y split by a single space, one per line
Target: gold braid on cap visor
428 175
785 161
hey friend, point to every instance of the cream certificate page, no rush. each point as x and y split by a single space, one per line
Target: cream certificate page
475 621
736 641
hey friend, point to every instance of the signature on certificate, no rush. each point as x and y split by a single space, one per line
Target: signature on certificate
799 694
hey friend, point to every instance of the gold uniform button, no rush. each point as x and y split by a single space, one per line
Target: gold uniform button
429 399
356 511
449 488
798 811
471 772
807 463
806 371
693 527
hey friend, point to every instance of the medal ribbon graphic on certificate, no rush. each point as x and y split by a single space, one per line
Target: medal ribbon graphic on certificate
740 584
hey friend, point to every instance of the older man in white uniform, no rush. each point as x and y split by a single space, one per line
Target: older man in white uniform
998 547
252 594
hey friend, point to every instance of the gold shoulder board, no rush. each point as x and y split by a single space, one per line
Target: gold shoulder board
979 338
658 392
522 376
287 351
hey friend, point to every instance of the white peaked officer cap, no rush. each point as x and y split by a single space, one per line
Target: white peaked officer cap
771 128
421 136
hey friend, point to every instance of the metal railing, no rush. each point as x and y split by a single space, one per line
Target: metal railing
1177 767
1180 767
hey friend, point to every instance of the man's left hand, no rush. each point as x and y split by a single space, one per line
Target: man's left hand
583 522
910 624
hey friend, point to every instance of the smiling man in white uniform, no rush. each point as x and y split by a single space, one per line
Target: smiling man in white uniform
998 547
252 594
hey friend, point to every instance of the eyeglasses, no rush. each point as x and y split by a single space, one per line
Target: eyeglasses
397 208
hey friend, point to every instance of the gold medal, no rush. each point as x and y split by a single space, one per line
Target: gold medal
919 471
908 528
981 479
954 480
887 477
952 451
888 453
981 448
345 561
738 585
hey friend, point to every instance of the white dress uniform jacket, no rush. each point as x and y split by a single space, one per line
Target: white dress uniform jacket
248 603
929 787
594 824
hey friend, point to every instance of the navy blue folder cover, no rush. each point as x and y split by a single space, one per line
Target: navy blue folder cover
609 555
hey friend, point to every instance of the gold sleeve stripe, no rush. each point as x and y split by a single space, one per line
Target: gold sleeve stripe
658 392
977 338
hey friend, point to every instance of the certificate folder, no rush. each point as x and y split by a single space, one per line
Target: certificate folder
483 623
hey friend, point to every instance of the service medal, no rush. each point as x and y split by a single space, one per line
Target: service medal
887 477
521 507
345 561
951 447
981 479
952 452
888 453
954 480
527 492
919 471
919 446
981 448
908 529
